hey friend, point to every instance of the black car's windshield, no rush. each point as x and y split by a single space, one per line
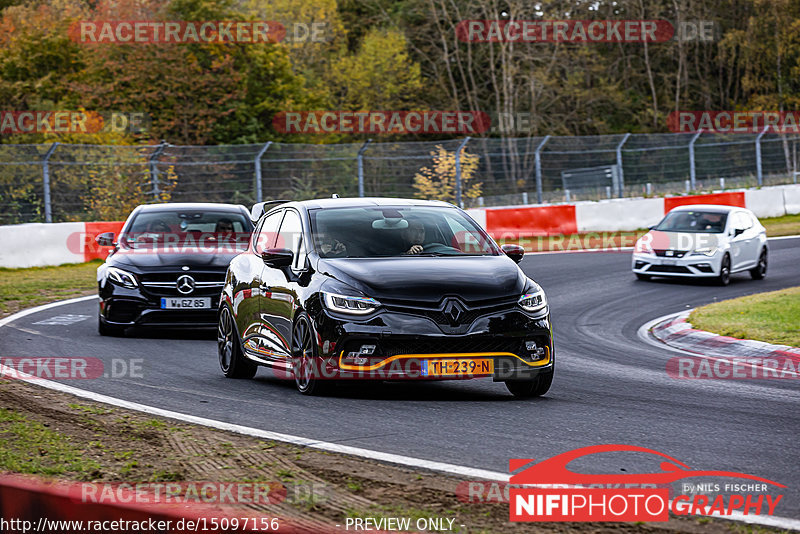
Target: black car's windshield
711 222
384 231
163 226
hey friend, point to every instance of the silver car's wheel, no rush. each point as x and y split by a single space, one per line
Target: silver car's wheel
724 277
760 270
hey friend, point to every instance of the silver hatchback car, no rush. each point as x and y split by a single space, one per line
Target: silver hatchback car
702 240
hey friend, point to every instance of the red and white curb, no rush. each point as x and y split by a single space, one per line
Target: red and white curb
676 333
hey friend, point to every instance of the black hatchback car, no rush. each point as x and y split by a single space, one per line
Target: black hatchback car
168 265
387 289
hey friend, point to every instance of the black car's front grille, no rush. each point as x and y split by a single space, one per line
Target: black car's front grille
173 276
442 315
465 345
164 284
447 346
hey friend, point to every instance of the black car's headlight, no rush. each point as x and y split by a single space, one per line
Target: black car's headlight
349 304
122 278
534 300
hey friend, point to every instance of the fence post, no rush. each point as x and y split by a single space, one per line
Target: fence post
620 174
154 168
538 166
759 175
459 203
692 170
48 208
259 188
360 159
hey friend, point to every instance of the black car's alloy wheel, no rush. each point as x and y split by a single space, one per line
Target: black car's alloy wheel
534 387
304 361
231 359
760 270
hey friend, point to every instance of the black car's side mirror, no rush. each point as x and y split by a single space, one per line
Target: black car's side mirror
515 252
277 257
106 239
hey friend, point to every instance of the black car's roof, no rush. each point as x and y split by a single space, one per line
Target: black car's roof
359 202
170 206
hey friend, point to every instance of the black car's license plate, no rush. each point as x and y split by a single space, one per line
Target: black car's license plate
199 303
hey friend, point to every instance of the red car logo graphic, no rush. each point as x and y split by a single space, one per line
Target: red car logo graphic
554 470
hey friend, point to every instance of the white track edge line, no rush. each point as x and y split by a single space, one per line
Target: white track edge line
780 522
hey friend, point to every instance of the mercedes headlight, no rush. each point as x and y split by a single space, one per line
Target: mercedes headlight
534 300
122 278
349 304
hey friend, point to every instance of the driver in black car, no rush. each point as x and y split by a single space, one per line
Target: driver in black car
414 237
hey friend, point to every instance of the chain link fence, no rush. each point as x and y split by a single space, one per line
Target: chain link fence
62 182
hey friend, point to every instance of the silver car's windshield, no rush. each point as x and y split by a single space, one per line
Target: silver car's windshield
711 222
385 231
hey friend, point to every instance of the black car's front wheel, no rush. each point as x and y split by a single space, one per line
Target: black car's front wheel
533 387
231 359
305 364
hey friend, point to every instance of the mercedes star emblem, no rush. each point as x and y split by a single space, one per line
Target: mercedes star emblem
185 284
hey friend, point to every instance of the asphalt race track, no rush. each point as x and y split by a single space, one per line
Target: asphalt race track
610 386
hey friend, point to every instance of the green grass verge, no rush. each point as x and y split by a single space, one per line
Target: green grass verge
773 317
32 448
25 288
786 225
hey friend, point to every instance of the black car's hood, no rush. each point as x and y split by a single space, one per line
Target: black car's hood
152 260
429 278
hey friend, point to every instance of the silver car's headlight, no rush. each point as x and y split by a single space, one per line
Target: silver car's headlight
122 278
533 301
705 251
350 304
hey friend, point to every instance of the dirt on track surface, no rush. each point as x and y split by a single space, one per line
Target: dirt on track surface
321 488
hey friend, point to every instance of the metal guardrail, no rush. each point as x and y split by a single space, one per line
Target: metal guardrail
63 182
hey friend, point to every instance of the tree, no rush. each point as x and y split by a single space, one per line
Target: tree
438 182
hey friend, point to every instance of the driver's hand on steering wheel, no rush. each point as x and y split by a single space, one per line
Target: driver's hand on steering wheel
415 249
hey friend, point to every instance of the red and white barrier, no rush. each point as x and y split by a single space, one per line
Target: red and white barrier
33 245
625 214
40 244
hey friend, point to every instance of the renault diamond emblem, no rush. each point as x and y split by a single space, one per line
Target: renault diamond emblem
185 284
453 311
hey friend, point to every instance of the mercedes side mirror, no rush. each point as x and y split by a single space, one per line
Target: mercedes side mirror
515 252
